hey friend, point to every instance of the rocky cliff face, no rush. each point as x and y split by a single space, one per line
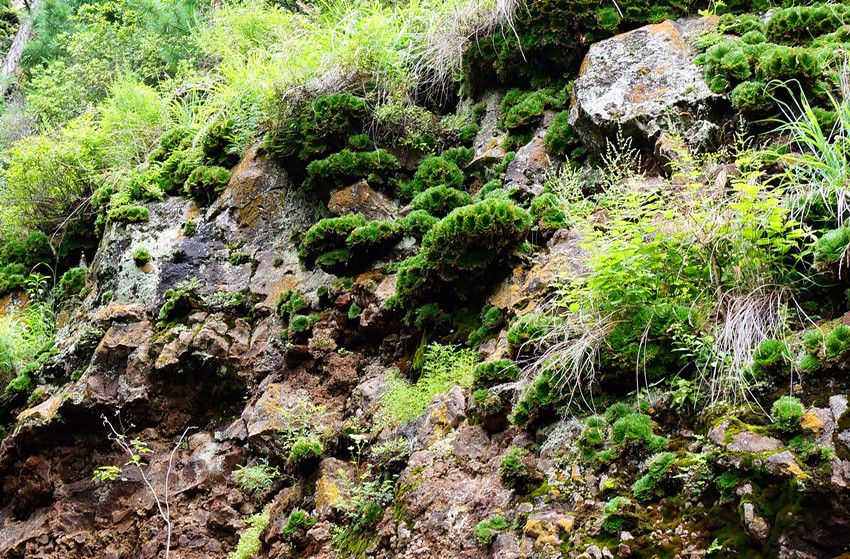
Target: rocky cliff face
192 339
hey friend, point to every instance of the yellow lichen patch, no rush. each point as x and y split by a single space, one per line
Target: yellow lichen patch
545 533
328 495
566 523
812 423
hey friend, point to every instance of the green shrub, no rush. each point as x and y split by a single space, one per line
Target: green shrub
560 137
217 144
513 470
321 128
329 234
141 256
290 302
495 372
303 433
486 530
34 250
537 397
128 214
255 479
787 413
440 200
433 171
832 244
354 311
464 244
771 356
658 468
751 96
472 237
417 223
374 235
179 301
345 167
523 110
813 340
547 212
636 428
72 283
837 343
205 183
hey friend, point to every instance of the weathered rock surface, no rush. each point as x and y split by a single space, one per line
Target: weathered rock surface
643 82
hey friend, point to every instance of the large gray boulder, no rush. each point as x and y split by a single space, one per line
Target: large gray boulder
646 82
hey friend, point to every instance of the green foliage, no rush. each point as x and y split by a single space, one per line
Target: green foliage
770 356
417 223
249 541
25 339
658 467
72 283
440 200
513 470
547 213
320 128
298 520
363 505
465 244
141 256
787 412
541 52
328 234
354 311
594 432
444 366
837 343
255 479
303 433
179 301
617 411
205 183
495 372
832 245
345 167
523 110
223 301
433 171
48 176
527 330
636 428
751 96
727 483
539 395
613 514
560 137
809 364
486 530
290 302
373 235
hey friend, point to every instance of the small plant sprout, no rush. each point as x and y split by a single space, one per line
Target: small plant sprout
256 479
137 449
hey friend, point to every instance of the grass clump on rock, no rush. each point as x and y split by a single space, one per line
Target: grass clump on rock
787 413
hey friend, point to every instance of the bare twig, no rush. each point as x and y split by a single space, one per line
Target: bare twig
162 503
